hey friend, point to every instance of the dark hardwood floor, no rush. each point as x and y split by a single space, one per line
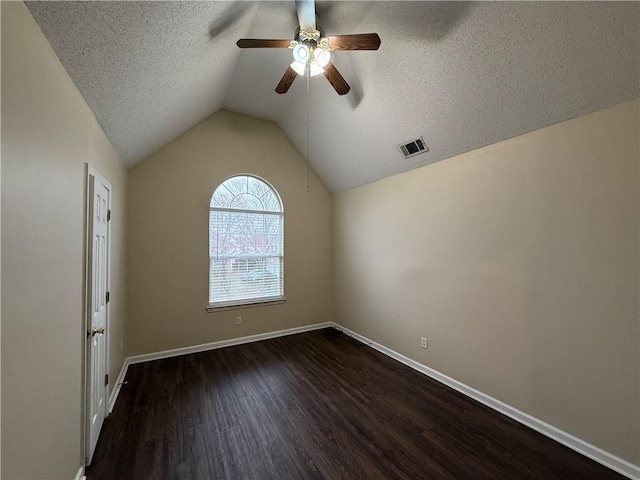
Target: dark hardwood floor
313 406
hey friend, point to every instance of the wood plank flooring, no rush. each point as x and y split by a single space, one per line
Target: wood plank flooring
316 405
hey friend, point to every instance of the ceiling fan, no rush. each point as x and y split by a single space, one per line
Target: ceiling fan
311 49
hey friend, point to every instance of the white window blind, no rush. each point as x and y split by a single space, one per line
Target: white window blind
246 226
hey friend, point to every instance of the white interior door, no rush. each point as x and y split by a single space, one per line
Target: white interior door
98 262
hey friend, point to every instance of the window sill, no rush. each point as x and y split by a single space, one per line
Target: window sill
259 303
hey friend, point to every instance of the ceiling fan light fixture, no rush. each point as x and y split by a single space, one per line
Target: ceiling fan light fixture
301 53
299 68
311 49
315 69
321 57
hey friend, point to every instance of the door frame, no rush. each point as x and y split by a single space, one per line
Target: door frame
90 171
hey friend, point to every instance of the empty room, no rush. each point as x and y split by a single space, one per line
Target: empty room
320 240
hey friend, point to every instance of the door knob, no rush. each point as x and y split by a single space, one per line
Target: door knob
95 331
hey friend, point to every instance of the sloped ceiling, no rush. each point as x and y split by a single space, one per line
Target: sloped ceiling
461 75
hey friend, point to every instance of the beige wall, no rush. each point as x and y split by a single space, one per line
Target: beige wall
169 196
48 133
519 263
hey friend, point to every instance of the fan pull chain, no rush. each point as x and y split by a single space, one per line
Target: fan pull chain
308 75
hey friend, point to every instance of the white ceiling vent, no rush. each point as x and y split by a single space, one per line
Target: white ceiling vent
415 147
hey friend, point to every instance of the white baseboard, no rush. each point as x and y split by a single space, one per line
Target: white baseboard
224 343
80 474
147 357
605 458
119 381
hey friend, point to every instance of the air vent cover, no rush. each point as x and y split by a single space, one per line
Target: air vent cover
414 147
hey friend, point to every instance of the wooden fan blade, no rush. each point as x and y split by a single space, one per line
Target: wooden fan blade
286 80
335 79
306 15
360 41
257 43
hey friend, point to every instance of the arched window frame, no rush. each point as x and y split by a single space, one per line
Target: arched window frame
246 243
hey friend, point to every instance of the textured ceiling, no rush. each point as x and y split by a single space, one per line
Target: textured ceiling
462 75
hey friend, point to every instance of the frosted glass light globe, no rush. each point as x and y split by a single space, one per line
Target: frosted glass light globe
315 69
322 57
301 53
299 68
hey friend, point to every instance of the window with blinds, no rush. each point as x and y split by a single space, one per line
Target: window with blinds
246 232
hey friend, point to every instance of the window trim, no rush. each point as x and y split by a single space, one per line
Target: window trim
253 303
257 301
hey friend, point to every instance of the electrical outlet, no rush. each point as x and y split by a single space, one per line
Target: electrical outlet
238 320
424 343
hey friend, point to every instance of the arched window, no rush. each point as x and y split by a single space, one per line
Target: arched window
246 230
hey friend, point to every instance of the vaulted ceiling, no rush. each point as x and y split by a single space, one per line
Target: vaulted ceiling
461 75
